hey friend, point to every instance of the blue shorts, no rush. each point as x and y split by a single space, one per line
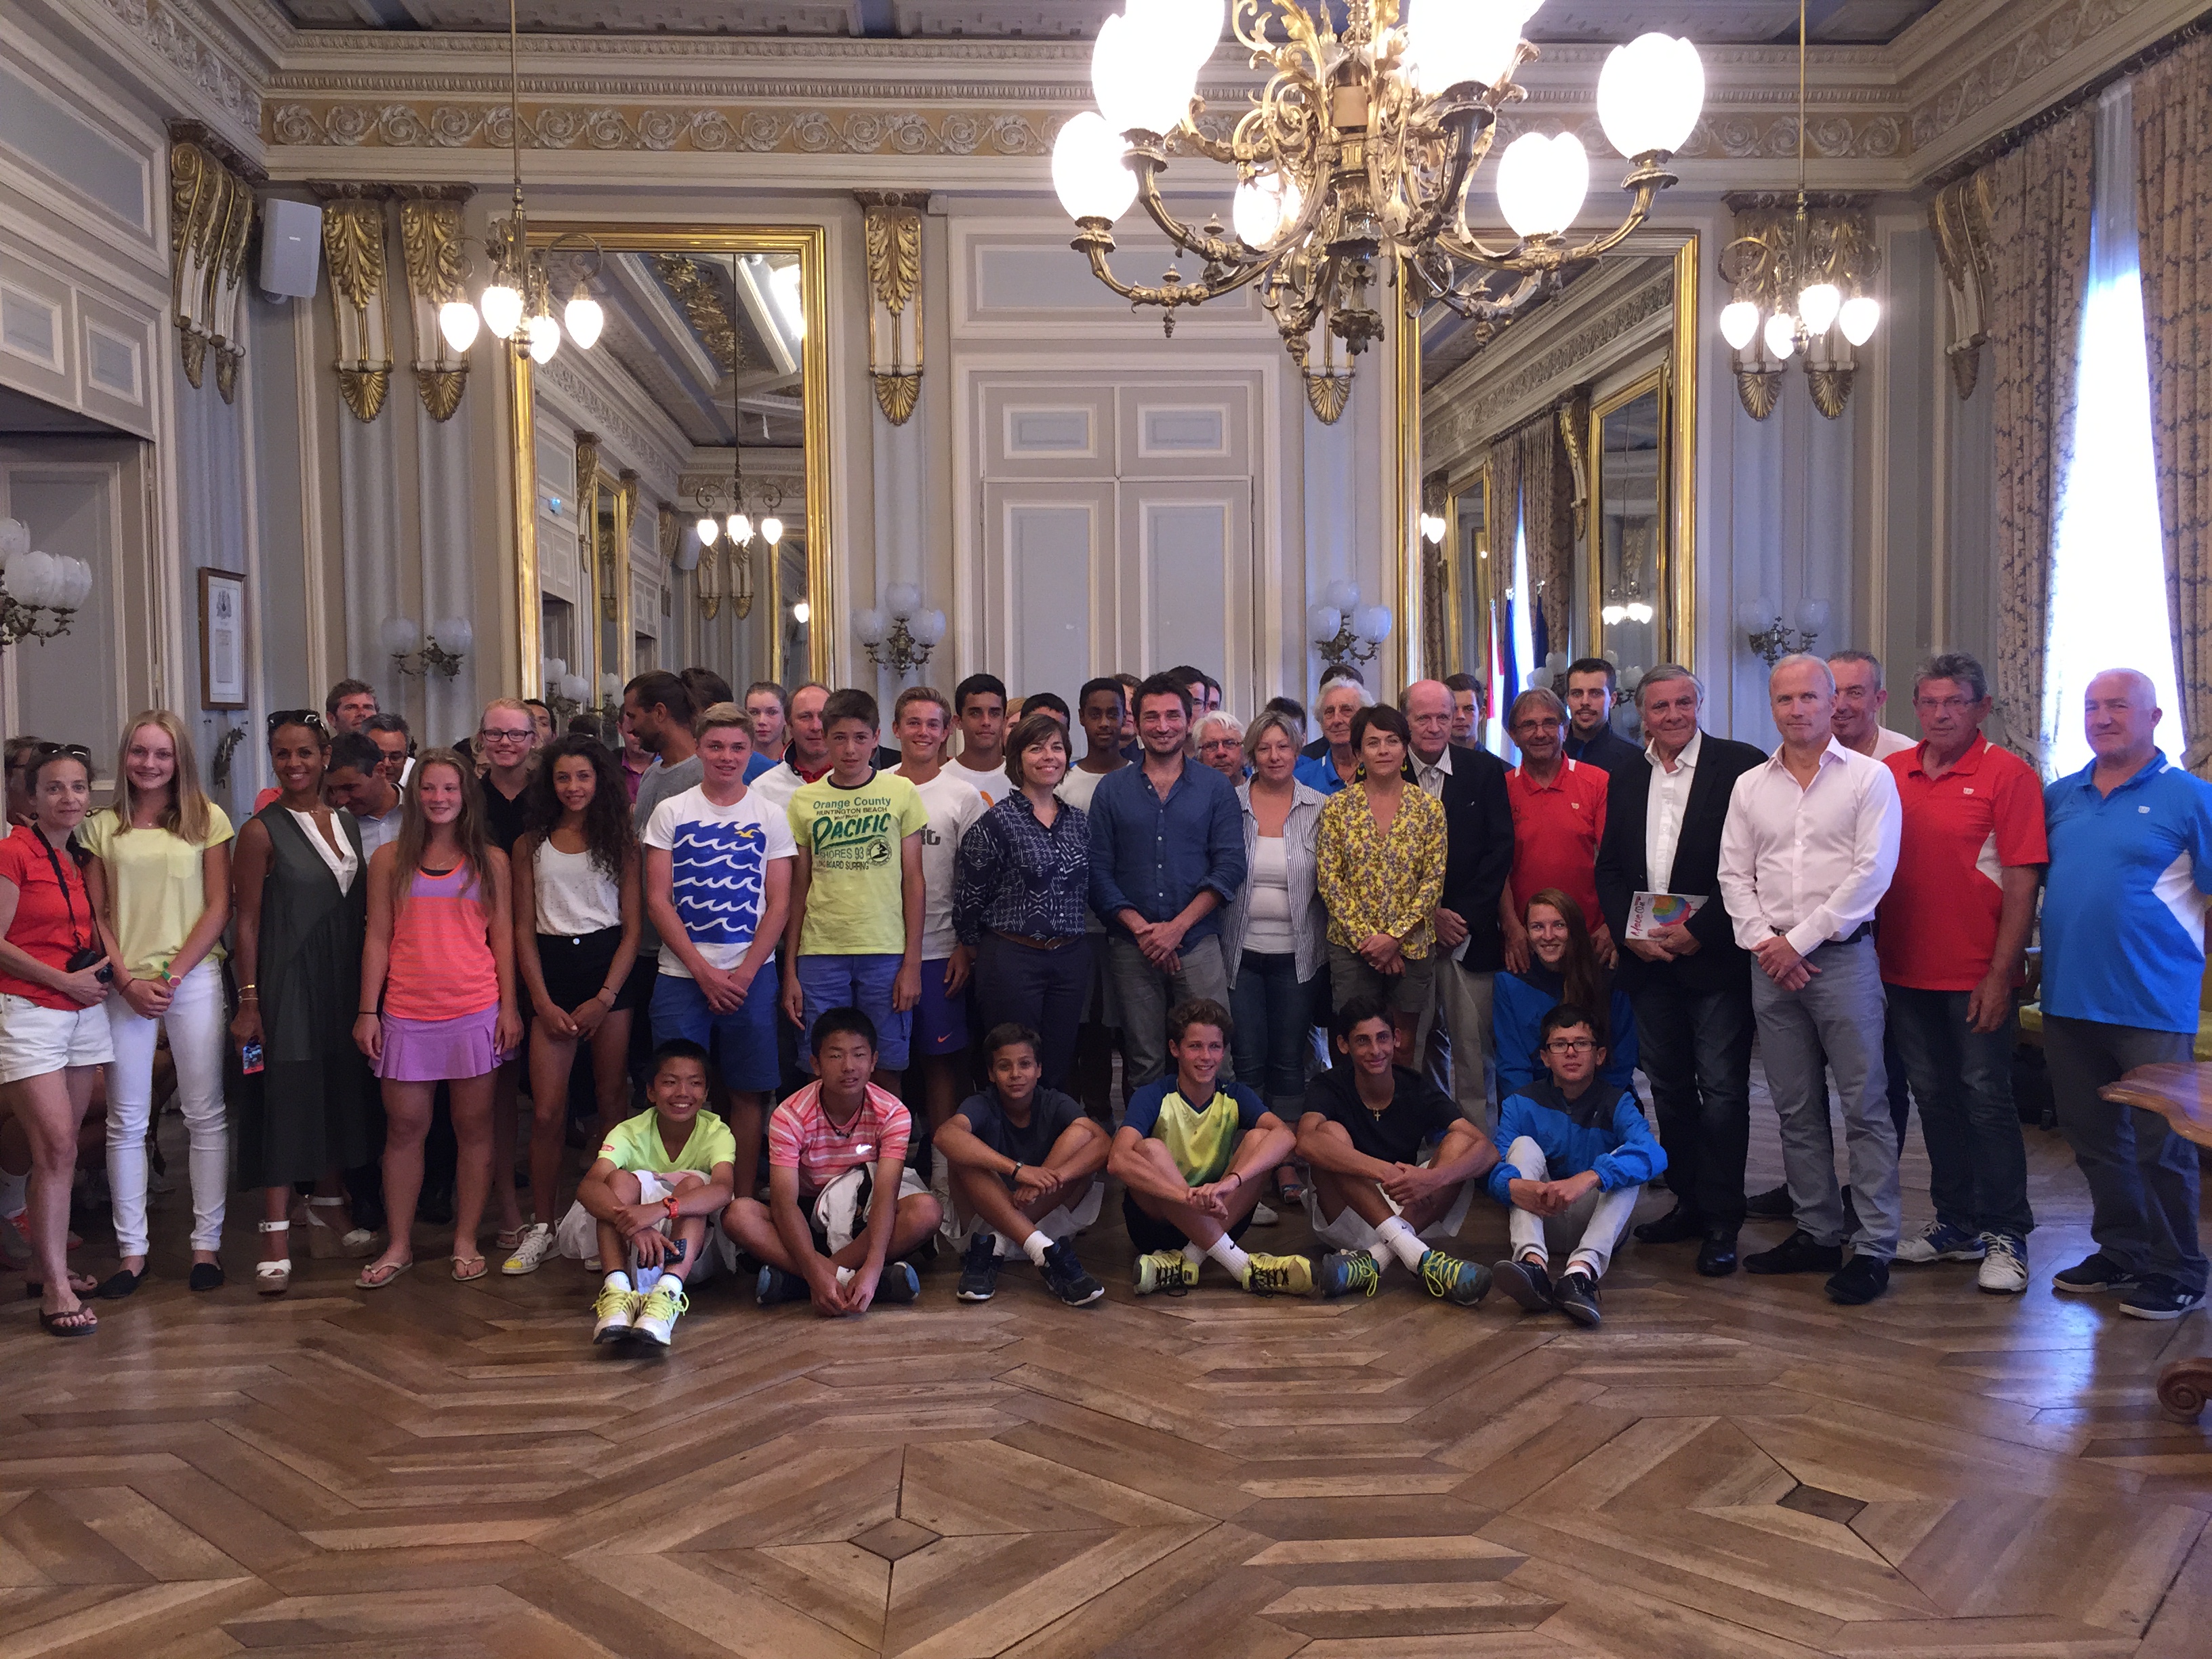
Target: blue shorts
940 1022
743 1041
862 983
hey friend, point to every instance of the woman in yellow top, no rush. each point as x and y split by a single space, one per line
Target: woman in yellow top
1379 867
159 882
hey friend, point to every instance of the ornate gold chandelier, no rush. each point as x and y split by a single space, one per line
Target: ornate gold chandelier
1355 156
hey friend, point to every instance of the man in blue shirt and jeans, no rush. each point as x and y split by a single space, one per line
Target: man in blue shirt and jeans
2123 961
1167 856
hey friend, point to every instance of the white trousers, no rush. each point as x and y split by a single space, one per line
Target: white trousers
195 1023
1594 1222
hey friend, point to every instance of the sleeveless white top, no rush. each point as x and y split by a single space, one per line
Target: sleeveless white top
574 896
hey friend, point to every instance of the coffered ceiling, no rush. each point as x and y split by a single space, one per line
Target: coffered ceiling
1714 22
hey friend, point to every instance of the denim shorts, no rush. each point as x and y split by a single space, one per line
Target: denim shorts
862 983
742 1041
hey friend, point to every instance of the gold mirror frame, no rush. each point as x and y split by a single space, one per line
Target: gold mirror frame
810 244
1657 383
607 562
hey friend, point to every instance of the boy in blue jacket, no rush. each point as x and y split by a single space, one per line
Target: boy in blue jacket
1575 1148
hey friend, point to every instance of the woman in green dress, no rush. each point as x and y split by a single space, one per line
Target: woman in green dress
301 900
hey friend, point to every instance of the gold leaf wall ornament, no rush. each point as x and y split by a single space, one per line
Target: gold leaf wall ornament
1831 390
892 228
1574 421
1960 217
227 278
1756 389
702 306
433 244
211 217
1327 395
352 250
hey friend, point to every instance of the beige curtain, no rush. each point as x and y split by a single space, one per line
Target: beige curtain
1548 510
2040 197
2173 226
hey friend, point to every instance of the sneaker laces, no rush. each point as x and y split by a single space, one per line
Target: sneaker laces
1363 1274
675 1301
1440 1273
612 1300
1265 1281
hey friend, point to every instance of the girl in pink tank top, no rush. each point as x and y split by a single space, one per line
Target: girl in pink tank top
437 999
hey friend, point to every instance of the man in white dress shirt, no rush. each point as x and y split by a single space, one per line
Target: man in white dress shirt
1808 852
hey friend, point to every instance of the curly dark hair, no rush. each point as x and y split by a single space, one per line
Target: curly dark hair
609 835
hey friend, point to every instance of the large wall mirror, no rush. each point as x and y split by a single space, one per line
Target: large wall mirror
1563 439
703 406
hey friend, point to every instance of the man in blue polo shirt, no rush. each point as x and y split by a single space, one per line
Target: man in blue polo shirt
2123 960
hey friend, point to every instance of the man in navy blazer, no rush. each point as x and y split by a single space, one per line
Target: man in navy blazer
1691 984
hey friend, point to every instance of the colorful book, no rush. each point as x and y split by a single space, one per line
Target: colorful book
1648 912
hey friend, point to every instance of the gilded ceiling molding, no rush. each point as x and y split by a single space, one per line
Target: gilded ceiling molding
211 209
892 230
353 251
182 37
702 306
1960 217
430 238
1988 75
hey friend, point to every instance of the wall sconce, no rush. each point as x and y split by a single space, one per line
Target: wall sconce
440 653
41 591
1635 611
565 691
1770 638
1432 529
902 635
1343 630
802 613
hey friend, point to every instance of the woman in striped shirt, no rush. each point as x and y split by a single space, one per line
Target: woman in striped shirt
440 957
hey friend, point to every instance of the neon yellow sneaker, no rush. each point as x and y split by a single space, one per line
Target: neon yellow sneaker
1449 1279
1278 1275
616 1309
658 1317
1165 1270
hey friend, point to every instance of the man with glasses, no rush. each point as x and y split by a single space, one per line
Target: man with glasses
394 744
1558 818
1953 939
356 781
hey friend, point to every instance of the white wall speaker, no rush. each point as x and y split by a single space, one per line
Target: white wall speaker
291 247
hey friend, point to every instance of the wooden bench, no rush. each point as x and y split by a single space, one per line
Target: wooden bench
2181 1093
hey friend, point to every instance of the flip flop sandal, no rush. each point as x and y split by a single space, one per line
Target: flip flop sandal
326 1244
377 1275
469 1267
83 1284
508 1238
80 1321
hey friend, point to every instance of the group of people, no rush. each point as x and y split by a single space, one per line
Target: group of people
780 933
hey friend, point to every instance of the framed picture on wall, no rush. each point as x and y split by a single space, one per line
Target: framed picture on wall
222 639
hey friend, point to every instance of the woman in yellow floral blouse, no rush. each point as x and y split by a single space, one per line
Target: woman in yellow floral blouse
1379 865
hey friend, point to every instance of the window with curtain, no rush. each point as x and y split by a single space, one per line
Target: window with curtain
2108 601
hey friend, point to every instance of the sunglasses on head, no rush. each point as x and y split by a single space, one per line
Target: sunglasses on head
46 751
306 717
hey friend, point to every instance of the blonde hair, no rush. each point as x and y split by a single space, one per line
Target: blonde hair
186 818
468 828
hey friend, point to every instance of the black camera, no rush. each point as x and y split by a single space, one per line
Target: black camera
84 959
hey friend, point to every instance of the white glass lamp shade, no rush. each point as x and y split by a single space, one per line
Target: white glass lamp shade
1181 31
555 671
1754 615
502 306
771 529
1818 303
544 335
1433 528
871 627
928 627
1781 336
1341 596
1639 612
802 613
1460 42
584 318
458 322
1087 170
1813 616
574 687
400 635
1541 182
740 528
79 583
1860 316
31 578
1372 623
707 529
15 540
1263 206
1740 322
1650 93
1141 82
687 554
903 600
455 634
611 688
1324 623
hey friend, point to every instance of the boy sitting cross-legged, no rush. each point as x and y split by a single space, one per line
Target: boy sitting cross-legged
843 1208
1191 1153
1576 1154
1374 1198
1024 1163
646 1199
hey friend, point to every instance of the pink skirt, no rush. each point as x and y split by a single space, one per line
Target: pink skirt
437 1050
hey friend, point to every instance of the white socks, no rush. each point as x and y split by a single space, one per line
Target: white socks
1035 1246
1194 1254
1400 1240
619 1281
11 1193
1224 1251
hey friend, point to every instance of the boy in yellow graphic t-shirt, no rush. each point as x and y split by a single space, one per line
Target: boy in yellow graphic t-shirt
1192 1154
854 936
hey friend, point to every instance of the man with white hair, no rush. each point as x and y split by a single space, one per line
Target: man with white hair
1809 850
2123 958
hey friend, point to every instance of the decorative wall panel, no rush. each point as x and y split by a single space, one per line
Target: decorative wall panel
430 238
354 251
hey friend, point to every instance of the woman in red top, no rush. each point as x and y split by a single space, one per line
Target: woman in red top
53 1032
439 955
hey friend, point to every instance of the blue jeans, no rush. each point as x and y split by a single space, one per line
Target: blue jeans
862 983
743 1041
1977 1161
1272 1009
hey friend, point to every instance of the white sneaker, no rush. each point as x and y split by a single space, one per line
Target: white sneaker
656 1319
1262 1216
530 1255
615 1312
2004 1269
1940 1241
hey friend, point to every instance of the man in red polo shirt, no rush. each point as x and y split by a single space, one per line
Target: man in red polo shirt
1951 932
1558 818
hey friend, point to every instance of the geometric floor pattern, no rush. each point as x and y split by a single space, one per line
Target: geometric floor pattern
1730 1470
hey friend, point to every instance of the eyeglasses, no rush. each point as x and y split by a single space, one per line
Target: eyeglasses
306 717
1947 705
1570 1046
506 735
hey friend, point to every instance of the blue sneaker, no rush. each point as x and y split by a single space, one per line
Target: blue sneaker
1941 1242
1343 1273
899 1283
776 1286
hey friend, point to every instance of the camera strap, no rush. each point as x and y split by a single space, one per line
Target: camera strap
61 882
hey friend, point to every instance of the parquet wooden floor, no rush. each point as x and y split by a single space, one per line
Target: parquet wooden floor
1733 1469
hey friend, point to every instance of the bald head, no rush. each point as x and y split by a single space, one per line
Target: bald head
1428 710
2120 713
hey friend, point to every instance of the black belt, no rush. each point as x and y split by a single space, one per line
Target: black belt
1865 930
1029 944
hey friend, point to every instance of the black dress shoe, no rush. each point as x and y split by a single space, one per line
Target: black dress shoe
206 1276
1798 1253
1717 1254
1863 1278
1772 1205
120 1284
1677 1225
